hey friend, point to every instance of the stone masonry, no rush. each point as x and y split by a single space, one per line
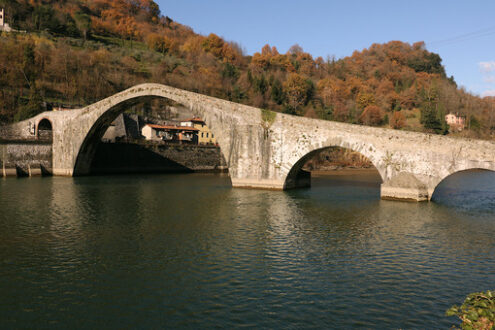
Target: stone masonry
149 157
25 157
264 149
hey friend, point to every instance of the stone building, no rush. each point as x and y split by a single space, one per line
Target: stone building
181 134
455 121
205 136
3 25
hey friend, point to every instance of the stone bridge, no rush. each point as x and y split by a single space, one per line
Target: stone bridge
267 150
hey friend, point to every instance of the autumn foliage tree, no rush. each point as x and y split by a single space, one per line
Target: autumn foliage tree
397 120
297 92
84 50
372 115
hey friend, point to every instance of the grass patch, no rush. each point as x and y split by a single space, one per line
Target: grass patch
268 117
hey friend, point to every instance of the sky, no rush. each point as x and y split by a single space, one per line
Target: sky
461 32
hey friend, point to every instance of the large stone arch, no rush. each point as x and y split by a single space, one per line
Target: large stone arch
87 149
296 177
76 138
108 112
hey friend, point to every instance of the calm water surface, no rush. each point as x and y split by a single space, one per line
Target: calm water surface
188 251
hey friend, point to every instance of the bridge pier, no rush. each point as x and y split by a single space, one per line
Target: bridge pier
406 187
62 172
302 180
411 194
257 184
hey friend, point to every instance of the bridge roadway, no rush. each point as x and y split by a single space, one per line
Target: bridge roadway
267 150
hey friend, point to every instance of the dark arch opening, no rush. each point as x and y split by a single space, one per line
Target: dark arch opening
131 152
330 165
45 130
472 189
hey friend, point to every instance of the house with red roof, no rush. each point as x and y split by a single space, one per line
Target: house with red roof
170 133
205 135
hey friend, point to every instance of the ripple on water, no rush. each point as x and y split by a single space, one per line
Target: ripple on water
188 251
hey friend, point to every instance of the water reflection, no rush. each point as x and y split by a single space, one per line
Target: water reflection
189 251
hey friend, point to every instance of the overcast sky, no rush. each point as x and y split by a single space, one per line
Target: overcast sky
462 32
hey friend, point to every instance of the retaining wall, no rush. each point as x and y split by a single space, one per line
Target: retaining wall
149 158
25 157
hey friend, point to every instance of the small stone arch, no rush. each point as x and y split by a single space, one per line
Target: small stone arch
297 177
44 129
446 177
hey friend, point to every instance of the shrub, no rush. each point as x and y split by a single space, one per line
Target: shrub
397 121
477 311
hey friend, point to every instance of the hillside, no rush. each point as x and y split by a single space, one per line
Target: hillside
76 52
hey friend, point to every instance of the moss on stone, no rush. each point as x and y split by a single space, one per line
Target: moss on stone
268 117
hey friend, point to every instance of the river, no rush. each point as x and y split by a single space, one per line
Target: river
188 251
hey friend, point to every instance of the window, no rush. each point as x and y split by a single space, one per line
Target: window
212 136
202 134
207 134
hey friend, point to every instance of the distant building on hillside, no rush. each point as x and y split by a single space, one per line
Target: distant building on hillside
4 26
205 136
455 121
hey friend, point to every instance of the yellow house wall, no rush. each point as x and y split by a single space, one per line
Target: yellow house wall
205 136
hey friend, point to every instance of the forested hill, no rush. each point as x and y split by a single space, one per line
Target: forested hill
76 52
